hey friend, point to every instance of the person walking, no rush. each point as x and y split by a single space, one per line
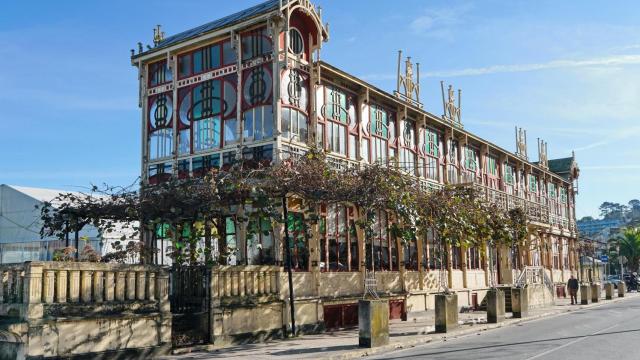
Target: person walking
573 286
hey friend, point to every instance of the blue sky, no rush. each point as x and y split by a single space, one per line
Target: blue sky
567 71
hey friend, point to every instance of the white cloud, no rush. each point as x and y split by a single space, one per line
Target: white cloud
615 60
439 23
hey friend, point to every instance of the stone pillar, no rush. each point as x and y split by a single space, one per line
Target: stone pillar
595 292
131 285
98 286
495 306
120 281
151 286
48 286
446 312
141 286
622 289
519 302
109 286
32 291
373 323
61 286
74 286
162 294
85 286
608 287
585 294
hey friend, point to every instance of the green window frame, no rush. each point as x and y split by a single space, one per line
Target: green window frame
379 121
430 141
470 159
509 177
533 183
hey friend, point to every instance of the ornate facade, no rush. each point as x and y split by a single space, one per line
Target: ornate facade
252 86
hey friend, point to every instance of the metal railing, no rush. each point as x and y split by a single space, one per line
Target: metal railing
534 275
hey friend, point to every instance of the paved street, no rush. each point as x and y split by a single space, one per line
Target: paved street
605 332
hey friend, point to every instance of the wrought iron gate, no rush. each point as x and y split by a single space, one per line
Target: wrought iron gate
190 300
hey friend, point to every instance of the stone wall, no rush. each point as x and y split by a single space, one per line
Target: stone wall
60 309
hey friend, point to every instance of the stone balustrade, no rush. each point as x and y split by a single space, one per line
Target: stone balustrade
244 280
81 283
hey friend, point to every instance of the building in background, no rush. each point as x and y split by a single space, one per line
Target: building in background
20 225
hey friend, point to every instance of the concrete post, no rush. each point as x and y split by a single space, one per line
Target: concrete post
373 323
622 289
595 292
446 312
608 288
585 294
495 306
519 302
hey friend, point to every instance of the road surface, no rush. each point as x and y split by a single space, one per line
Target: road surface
610 331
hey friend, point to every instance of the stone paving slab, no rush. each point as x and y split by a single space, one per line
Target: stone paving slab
342 344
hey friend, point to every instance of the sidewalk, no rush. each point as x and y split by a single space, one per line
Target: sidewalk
344 344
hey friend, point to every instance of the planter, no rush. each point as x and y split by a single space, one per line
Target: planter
608 289
622 289
585 294
373 323
446 312
495 306
595 292
519 302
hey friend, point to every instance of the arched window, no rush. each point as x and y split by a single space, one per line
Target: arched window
258 111
296 43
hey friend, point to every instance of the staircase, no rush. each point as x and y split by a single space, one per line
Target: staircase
507 299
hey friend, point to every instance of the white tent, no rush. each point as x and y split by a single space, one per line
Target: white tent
20 225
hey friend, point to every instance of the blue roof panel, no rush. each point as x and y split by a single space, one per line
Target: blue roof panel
253 11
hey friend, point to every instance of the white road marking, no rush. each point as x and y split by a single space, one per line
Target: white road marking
570 343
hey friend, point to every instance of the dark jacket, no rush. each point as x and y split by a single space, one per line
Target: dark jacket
573 284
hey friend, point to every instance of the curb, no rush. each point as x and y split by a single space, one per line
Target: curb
429 338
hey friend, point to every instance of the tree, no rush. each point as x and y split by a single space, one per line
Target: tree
587 218
613 211
629 242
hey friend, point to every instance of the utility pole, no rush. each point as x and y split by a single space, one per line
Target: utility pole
289 270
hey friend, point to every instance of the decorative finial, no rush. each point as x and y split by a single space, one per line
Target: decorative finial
158 35
133 52
521 143
542 154
451 111
410 87
139 47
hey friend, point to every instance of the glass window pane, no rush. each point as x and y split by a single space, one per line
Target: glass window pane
230 131
197 61
228 53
